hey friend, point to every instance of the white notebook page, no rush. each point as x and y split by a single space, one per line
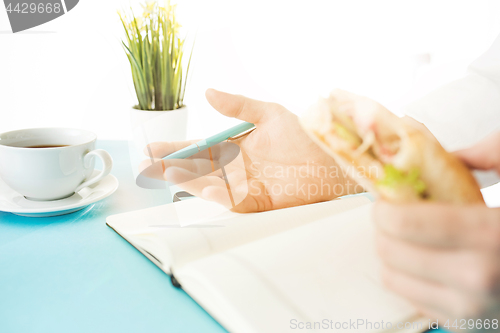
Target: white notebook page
324 270
156 231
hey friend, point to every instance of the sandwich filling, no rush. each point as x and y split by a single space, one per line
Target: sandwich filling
343 133
394 178
382 150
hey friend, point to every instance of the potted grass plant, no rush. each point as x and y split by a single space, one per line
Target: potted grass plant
159 67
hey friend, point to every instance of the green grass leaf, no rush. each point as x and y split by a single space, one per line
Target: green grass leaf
155 52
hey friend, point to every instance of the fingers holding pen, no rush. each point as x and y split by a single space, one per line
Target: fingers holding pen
162 149
157 168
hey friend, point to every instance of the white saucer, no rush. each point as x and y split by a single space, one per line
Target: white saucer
15 203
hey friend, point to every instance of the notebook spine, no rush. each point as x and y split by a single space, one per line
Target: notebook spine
174 281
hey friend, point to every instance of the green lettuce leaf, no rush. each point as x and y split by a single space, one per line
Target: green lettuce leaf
394 178
346 135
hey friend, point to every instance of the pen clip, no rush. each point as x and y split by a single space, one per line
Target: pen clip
239 136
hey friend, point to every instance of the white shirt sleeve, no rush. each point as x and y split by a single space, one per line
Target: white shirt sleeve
464 111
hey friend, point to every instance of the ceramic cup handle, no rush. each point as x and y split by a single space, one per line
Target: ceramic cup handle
107 163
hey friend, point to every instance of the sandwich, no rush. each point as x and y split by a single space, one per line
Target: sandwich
395 158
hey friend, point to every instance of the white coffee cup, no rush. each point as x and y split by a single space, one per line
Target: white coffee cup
50 163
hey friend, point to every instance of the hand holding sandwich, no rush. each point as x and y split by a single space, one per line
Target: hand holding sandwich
439 243
445 258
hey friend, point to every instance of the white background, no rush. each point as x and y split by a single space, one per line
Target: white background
73 72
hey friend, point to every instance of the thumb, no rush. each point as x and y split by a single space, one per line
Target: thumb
241 107
484 155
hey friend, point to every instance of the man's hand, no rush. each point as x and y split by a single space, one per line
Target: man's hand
445 259
279 165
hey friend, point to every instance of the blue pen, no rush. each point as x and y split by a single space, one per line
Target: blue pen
210 142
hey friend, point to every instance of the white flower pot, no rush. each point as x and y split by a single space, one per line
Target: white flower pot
151 126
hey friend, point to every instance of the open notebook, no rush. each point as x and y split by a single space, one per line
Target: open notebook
305 267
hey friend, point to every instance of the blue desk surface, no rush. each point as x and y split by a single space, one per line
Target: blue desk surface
72 273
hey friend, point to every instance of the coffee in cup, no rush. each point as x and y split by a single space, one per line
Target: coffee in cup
45 164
